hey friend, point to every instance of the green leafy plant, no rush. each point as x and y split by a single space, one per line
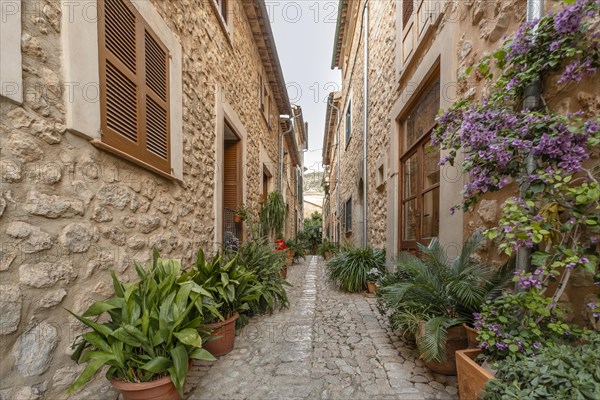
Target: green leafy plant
258 257
311 237
230 284
152 330
348 269
327 247
561 372
521 324
296 248
244 212
441 292
273 214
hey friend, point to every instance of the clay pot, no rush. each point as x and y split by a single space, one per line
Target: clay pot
283 272
371 287
471 376
161 389
471 336
456 339
225 330
237 219
327 255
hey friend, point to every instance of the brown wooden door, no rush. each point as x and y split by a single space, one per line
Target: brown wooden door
419 194
232 179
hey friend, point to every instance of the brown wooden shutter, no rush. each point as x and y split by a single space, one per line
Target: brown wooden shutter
407 10
232 182
134 85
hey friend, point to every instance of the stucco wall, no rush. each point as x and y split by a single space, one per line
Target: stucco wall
70 212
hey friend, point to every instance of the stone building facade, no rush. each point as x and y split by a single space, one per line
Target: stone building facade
74 205
418 52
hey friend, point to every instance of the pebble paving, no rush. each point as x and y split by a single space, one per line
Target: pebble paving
327 345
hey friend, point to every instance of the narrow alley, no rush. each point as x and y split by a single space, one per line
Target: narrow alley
327 345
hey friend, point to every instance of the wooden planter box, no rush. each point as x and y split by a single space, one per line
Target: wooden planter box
471 376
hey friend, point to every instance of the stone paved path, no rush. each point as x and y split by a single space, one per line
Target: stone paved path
328 345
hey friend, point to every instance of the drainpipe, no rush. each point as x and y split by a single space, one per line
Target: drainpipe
531 101
366 128
337 184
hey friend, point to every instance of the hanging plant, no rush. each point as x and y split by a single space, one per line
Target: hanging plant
544 152
273 214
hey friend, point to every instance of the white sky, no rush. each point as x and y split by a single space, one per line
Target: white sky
304 31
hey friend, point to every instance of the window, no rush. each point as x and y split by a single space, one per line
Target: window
348 122
222 8
123 104
348 215
265 101
134 86
420 172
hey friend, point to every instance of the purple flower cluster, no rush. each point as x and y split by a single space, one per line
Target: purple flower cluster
523 40
577 70
593 306
527 281
569 19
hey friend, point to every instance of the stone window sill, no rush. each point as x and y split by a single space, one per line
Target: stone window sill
222 23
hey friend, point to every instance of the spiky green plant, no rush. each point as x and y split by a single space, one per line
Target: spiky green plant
441 292
152 329
272 216
349 268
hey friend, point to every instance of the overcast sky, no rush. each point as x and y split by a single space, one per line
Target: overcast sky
304 31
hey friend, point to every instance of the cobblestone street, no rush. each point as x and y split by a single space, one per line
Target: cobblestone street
327 345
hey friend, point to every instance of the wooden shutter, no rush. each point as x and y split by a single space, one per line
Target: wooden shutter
134 85
232 182
407 10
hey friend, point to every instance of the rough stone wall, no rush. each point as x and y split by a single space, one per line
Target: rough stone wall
70 212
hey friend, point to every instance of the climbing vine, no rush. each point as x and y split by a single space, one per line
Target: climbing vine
557 214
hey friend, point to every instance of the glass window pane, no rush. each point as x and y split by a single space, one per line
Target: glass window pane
410 176
431 165
410 220
421 117
431 213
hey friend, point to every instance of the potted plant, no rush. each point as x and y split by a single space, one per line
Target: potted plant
281 247
512 326
295 250
232 287
258 257
349 269
273 214
327 249
373 276
151 334
242 214
559 372
438 296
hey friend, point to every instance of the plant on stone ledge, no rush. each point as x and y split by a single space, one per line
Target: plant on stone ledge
557 214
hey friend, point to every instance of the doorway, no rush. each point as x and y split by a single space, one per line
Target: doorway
232 186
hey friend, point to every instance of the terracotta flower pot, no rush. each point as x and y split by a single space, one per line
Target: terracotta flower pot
327 255
237 219
471 376
161 389
283 272
471 336
372 287
225 330
456 339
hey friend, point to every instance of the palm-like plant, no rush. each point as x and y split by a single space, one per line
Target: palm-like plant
348 270
442 293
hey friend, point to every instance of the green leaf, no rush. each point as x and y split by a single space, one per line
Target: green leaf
180 366
99 307
202 354
157 365
189 337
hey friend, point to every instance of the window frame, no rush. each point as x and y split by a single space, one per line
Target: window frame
11 63
226 20
80 43
348 123
348 216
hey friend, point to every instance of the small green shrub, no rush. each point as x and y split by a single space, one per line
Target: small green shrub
348 270
327 246
561 372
